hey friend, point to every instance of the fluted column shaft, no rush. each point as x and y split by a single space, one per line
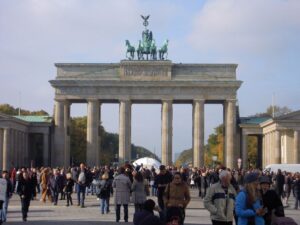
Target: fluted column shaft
245 151
1 149
26 153
93 136
45 149
167 132
230 155
277 148
198 133
297 146
61 156
6 148
124 131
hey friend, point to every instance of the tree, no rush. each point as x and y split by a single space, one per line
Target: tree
278 111
10 110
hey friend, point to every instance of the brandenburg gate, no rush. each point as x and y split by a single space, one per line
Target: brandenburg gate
141 81
149 80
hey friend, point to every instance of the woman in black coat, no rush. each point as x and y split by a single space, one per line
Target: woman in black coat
25 191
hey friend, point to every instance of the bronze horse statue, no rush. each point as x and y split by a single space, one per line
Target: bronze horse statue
163 50
130 50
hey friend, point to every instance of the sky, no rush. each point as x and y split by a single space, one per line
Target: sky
262 37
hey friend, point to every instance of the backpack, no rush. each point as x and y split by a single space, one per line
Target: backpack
104 190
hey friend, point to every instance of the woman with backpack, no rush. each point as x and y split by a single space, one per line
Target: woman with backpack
104 189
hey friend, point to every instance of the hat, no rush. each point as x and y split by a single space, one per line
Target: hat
251 177
264 179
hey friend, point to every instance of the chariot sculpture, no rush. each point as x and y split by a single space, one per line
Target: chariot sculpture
146 49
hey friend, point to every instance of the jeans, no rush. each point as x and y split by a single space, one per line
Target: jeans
4 209
118 209
297 200
69 198
104 205
81 194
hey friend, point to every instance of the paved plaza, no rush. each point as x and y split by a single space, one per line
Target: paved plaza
46 213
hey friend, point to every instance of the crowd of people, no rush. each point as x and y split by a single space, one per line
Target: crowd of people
246 197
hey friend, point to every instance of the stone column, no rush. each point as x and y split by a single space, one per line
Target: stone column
124 131
17 152
198 133
6 149
93 136
277 148
22 148
67 127
59 135
26 152
297 146
230 134
61 156
259 151
245 151
45 149
167 132
1 149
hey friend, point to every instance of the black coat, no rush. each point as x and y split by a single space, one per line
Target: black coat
272 201
26 188
146 218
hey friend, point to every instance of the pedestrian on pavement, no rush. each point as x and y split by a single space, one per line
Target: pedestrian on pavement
104 187
176 198
44 185
161 181
68 189
25 191
220 200
271 200
138 189
8 195
249 206
55 185
297 190
81 181
122 185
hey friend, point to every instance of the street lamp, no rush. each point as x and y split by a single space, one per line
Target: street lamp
214 159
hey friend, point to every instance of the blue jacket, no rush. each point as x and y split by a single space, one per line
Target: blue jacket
243 213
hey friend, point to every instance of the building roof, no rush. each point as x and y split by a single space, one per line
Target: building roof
253 120
35 119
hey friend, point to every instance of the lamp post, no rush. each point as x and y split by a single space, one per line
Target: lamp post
214 159
239 162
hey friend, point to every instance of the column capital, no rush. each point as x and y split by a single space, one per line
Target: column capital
199 100
64 101
125 100
231 100
168 100
92 100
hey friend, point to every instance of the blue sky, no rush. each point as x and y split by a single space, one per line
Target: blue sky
262 37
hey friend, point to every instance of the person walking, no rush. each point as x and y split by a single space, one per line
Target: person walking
68 189
44 185
25 191
138 189
297 190
161 181
55 185
249 206
176 198
81 187
271 201
103 188
220 200
8 195
122 185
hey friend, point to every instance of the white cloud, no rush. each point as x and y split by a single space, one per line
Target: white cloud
237 26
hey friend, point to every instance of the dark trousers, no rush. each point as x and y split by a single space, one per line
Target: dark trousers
138 207
118 211
81 194
161 206
25 202
54 195
69 198
216 222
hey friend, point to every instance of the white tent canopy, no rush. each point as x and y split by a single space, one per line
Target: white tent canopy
147 163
